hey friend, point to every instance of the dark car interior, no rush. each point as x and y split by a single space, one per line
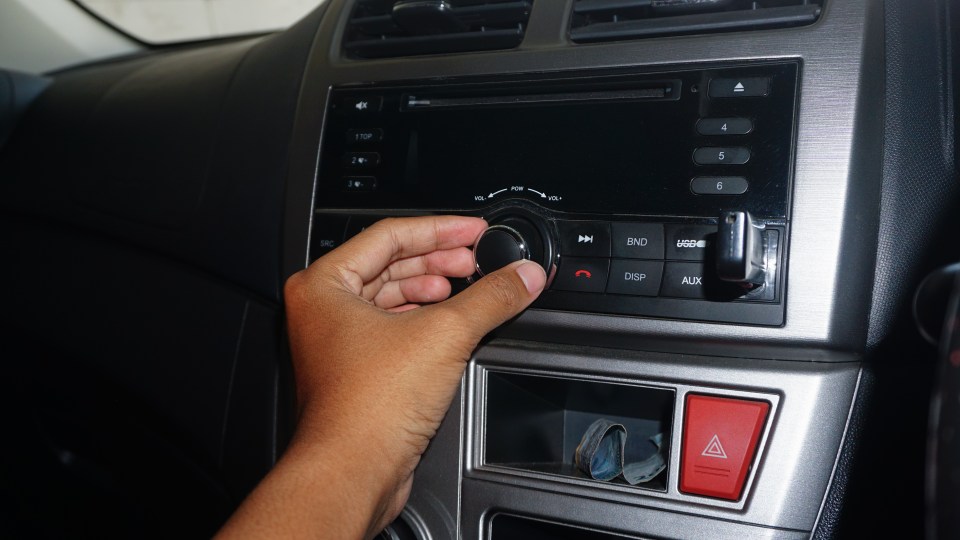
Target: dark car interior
748 211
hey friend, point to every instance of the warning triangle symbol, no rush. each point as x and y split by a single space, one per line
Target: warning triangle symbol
714 449
738 87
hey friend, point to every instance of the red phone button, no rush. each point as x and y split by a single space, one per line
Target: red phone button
720 438
582 274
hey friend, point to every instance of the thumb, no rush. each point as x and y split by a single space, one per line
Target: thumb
498 296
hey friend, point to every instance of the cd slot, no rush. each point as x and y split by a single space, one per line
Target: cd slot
660 91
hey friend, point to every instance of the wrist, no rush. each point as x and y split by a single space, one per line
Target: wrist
355 472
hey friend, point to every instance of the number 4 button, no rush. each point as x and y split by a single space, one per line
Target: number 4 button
724 126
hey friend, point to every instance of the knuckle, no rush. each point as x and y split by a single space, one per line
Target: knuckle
451 329
383 226
448 318
387 222
454 337
502 290
293 288
306 290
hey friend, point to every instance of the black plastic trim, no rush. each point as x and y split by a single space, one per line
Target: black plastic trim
698 24
442 43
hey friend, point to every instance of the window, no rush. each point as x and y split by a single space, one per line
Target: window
161 22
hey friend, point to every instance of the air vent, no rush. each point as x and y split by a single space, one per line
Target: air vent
609 20
385 28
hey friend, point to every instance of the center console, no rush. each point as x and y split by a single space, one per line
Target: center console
704 222
663 194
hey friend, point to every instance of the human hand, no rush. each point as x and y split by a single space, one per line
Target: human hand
375 372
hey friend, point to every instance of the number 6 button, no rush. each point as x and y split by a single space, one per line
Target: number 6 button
719 185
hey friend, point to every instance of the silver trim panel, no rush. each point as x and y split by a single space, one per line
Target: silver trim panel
836 192
799 448
834 220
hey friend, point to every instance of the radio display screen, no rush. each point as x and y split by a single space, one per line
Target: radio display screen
689 143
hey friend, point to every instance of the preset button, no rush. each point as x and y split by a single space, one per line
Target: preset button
717 155
359 184
724 126
361 160
719 185
360 136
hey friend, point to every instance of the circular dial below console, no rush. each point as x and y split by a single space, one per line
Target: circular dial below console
498 246
515 234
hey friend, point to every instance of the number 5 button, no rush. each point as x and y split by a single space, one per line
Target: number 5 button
719 185
731 155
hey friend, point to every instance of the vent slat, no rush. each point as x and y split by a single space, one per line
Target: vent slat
610 20
590 6
384 28
377 25
510 13
448 43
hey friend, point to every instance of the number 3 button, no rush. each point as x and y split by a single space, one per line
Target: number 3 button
719 185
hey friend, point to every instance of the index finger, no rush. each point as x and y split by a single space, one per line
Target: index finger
365 256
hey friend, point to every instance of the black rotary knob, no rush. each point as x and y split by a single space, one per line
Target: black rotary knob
515 234
498 246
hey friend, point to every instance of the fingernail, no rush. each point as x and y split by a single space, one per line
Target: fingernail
532 276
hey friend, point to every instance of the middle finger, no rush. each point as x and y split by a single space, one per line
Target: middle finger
456 262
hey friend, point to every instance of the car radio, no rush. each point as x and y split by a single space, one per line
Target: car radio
663 194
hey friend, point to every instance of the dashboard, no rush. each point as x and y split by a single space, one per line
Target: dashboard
733 206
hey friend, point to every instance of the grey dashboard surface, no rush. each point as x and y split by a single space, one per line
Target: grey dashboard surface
142 340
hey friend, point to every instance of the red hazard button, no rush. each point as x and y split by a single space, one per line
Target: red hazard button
720 438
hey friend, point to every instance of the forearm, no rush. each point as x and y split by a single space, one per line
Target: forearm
375 372
315 491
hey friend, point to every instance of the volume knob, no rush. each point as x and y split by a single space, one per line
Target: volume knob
498 246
